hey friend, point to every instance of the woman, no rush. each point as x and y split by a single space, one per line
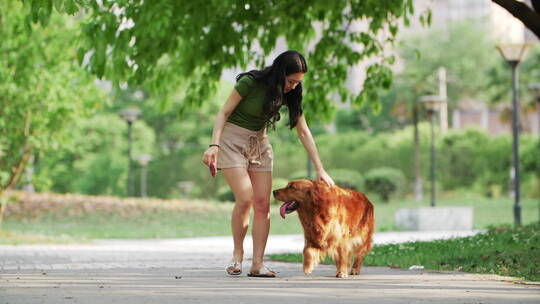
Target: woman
240 148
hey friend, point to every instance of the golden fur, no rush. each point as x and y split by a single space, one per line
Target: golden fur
337 222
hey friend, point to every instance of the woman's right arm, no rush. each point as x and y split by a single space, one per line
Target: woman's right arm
211 154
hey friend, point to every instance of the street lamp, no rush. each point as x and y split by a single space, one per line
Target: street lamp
143 160
433 104
513 54
535 87
130 115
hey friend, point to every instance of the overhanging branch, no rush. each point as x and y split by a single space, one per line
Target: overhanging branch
523 12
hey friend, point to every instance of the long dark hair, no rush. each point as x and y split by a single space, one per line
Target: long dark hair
287 63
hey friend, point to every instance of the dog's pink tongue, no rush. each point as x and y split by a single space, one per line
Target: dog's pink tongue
283 209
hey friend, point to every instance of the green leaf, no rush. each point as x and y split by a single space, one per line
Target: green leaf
393 29
175 40
80 55
70 7
59 5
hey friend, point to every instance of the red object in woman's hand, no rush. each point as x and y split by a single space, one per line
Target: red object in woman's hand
213 169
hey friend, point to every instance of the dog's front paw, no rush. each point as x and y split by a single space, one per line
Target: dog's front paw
354 272
308 270
341 275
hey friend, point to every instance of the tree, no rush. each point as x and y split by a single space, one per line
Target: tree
100 142
42 91
467 54
530 16
172 46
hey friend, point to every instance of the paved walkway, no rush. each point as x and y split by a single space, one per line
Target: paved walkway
191 271
168 253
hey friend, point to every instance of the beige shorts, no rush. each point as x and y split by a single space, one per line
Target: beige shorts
243 148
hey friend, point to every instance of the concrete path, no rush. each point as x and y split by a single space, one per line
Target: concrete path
191 271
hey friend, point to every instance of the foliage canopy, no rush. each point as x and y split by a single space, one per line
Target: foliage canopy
170 46
42 90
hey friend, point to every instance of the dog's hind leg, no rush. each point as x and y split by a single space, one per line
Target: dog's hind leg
311 259
355 270
342 258
368 226
361 252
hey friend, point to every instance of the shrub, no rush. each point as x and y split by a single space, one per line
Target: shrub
300 174
343 177
278 183
347 178
530 155
225 194
531 186
384 181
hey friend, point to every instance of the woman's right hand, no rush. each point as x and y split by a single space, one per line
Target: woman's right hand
210 156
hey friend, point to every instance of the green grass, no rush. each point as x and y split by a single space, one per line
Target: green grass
487 212
502 251
150 225
10 238
215 220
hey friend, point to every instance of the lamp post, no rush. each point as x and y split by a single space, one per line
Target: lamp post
513 54
130 115
433 104
143 160
536 93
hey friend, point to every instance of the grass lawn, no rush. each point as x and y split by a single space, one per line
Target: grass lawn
502 251
11 238
214 220
150 225
487 212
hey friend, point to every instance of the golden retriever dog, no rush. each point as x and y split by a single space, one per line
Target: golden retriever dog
337 222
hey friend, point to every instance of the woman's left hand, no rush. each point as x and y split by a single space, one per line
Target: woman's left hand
324 177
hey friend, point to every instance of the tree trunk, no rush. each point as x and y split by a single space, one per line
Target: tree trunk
418 188
15 174
17 171
3 206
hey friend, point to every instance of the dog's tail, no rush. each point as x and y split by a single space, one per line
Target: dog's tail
367 225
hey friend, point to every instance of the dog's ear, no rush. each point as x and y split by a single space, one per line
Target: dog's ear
320 193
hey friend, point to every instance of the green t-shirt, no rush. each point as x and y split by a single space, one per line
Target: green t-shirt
249 112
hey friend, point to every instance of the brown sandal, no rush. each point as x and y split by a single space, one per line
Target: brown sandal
234 268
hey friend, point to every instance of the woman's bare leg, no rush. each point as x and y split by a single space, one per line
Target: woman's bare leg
240 183
262 186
